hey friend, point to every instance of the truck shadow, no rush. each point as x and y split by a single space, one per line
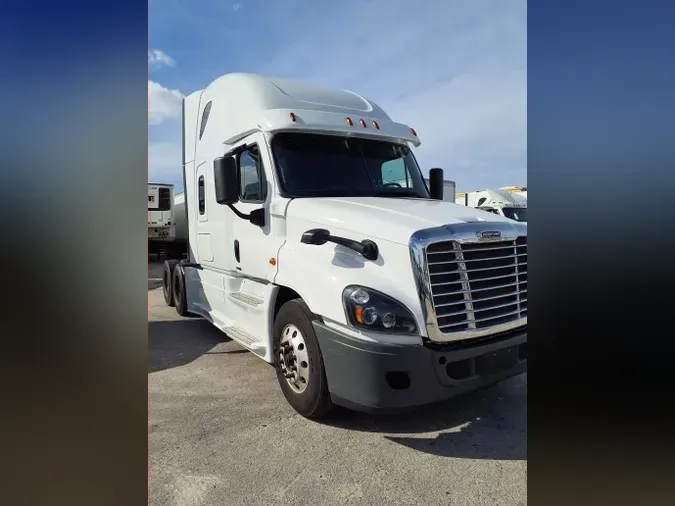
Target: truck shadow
179 342
488 424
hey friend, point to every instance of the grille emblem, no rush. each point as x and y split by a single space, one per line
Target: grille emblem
489 234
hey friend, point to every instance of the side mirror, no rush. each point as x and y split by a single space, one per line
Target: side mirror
316 236
226 180
436 184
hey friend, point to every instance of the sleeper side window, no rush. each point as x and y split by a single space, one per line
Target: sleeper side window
205 119
202 199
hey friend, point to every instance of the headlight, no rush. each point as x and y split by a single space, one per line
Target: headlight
372 310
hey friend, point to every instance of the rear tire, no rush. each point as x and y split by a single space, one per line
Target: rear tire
306 391
179 295
167 282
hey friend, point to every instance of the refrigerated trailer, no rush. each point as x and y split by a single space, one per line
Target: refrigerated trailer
314 242
161 227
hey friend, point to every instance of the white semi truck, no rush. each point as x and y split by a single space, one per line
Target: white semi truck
161 225
516 191
500 202
307 249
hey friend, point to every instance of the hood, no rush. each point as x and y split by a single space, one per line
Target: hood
390 219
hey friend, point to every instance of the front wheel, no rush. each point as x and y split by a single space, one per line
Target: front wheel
298 361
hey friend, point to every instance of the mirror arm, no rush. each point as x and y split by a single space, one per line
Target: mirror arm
319 236
239 213
255 217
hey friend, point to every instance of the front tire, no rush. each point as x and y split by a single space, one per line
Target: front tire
298 361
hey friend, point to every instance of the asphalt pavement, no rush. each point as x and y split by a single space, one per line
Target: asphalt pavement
221 433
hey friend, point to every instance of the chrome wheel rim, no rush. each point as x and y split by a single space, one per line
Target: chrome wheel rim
293 358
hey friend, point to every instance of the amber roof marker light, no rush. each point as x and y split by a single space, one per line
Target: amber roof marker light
363 123
349 121
293 117
412 131
376 125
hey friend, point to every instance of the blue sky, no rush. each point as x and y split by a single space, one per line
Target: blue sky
453 70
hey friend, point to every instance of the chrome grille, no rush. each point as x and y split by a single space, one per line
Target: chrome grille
477 285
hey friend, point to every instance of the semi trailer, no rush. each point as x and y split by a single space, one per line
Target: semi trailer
161 225
315 243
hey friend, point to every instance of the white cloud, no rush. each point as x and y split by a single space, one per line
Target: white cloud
236 7
163 103
158 58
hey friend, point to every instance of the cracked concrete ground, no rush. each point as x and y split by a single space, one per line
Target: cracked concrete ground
221 433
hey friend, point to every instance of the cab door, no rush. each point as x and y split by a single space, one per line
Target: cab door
252 245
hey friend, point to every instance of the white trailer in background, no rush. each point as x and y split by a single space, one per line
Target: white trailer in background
500 202
314 242
449 189
161 226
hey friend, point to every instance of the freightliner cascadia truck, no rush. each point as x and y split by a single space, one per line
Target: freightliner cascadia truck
315 243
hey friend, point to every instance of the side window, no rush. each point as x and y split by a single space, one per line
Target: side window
205 119
481 201
395 173
202 199
252 185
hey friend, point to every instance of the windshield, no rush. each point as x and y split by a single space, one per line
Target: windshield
311 165
516 213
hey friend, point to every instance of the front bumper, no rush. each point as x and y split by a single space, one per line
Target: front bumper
373 377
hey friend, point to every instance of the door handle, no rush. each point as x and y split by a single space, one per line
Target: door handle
236 250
